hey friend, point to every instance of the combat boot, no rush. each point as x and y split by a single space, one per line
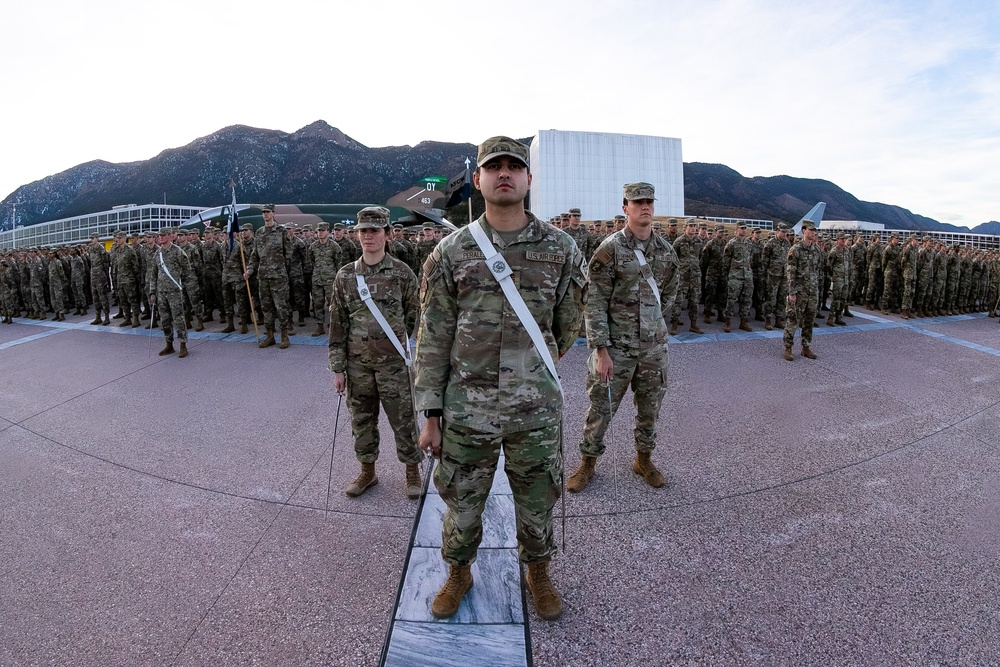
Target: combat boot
788 353
229 325
97 318
127 322
694 328
829 320
320 330
673 327
725 325
779 322
283 345
119 315
243 325
135 322
168 348
268 339
187 321
643 465
839 321
184 350
548 602
847 312
906 314
41 315
412 481
198 325
767 323
744 325
582 475
107 320
708 317
807 353
365 481
450 596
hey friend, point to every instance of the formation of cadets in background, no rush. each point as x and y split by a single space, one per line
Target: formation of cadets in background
71 279
727 277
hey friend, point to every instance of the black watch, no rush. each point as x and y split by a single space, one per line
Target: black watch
436 412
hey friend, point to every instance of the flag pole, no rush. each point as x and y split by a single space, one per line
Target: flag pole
234 220
466 185
253 313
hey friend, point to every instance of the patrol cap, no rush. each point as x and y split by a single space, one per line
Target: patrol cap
427 225
690 222
609 223
373 217
701 225
95 235
267 207
619 218
808 224
246 227
843 235
741 225
338 225
926 238
574 211
499 146
672 223
657 225
120 234
322 226
397 226
165 231
893 236
641 190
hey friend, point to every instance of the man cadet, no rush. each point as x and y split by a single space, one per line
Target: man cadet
100 283
737 266
688 249
839 265
633 283
804 268
773 260
269 262
373 310
485 370
125 269
170 272
579 233
324 254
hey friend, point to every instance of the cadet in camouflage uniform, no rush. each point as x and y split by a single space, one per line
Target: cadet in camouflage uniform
839 266
8 290
213 255
349 251
36 283
759 277
925 277
125 269
633 284
171 271
804 267
478 371
873 259
298 296
324 254
773 259
711 270
365 360
940 280
269 262
579 233
687 247
890 272
908 257
100 286
424 247
57 286
235 295
736 266
859 278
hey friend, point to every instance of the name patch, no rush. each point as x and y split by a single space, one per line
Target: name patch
472 254
545 257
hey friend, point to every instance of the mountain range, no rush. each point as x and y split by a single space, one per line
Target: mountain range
321 164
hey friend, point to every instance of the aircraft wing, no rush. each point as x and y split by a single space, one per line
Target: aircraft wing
815 215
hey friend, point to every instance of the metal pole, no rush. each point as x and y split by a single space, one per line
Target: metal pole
611 432
253 313
336 427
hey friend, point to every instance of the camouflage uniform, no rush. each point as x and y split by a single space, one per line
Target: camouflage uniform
839 265
804 270
624 316
125 271
213 255
235 299
57 287
774 259
39 276
908 267
269 262
170 275
711 271
688 251
953 280
298 296
736 265
360 348
8 290
925 279
890 274
873 258
583 240
476 362
100 287
859 278
325 257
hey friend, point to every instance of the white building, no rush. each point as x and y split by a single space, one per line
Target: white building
587 170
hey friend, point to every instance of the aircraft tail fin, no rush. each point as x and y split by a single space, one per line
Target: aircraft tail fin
815 215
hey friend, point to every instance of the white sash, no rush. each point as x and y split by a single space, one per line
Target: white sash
167 271
366 296
649 272
501 271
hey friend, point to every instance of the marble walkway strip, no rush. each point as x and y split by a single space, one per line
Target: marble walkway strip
28 339
489 628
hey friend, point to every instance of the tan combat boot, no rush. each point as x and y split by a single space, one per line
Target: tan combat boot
320 330
673 327
107 318
767 323
644 466
243 325
725 325
184 350
97 318
708 317
412 481
829 320
127 322
135 321
268 339
744 325
450 596
168 348
788 353
230 328
548 602
283 345
365 481
582 475
198 325
694 328
807 353
839 321
906 314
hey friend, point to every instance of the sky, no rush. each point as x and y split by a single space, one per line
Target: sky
894 101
